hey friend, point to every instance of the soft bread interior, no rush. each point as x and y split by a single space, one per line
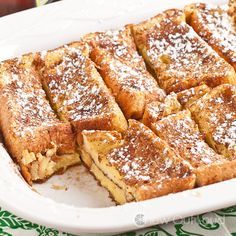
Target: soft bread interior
94 145
117 193
39 167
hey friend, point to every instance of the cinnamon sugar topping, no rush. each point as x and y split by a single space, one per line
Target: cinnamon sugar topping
187 55
75 86
182 134
133 79
26 99
116 52
144 157
119 44
218 29
219 109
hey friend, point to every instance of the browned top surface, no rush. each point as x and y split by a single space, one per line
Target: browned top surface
182 52
134 79
145 158
216 113
182 134
115 54
27 106
190 95
75 86
217 28
119 44
232 10
155 111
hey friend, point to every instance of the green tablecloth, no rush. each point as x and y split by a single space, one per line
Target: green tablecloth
219 223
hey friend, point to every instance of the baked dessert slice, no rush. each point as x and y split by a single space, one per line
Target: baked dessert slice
216 27
140 164
188 96
76 90
124 71
215 114
155 111
38 141
100 143
183 135
179 58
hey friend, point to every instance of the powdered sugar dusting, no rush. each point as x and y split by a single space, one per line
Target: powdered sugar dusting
75 86
190 95
120 45
216 113
226 134
218 30
116 56
132 79
182 134
176 52
26 100
182 46
143 158
157 110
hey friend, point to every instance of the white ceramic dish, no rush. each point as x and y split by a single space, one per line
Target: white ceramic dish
66 202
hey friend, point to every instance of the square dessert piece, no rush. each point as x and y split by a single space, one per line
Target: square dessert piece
38 141
188 96
178 56
183 135
216 27
140 164
215 114
155 111
124 71
77 91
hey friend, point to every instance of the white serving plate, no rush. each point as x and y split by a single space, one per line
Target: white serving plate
74 202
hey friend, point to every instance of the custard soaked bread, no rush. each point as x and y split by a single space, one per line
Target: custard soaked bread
181 150
100 143
183 135
140 164
178 56
124 71
188 96
77 92
35 138
215 114
155 111
216 27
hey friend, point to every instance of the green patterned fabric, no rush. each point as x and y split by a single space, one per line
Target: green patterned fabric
13 222
219 223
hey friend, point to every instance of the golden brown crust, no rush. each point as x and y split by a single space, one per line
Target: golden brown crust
76 90
183 135
134 163
232 11
215 114
27 121
179 57
216 27
188 96
144 164
167 186
123 70
155 111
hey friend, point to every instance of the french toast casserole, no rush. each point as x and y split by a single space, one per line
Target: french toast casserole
149 109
